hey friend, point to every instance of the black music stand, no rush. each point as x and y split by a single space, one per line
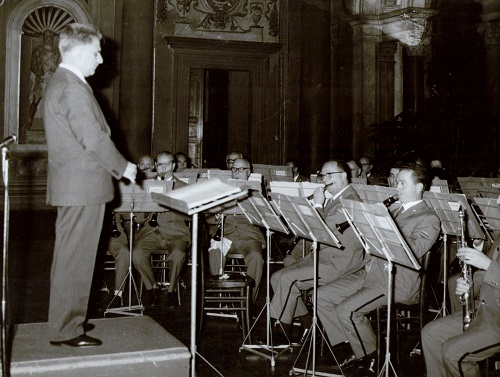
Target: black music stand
479 186
488 214
272 173
375 194
191 200
447 207
259 212
303 220
380 236
136 199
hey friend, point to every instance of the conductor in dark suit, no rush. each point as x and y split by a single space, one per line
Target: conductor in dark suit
82 162
448 349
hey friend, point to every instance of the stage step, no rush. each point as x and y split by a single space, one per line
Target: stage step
132 346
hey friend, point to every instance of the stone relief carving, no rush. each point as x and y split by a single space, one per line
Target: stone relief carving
222 16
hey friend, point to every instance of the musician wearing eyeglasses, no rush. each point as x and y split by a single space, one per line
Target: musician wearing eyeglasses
333 263
118 244
449 350
161 231
231 157
367 171
245 238
343 305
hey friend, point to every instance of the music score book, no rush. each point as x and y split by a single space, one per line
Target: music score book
200 196
378 233
303 189
447 207
479 186
490 210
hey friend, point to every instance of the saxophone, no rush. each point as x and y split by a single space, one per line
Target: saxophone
467 298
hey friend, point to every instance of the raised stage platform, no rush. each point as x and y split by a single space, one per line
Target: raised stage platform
132 346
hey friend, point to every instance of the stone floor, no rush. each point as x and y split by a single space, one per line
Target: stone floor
219 344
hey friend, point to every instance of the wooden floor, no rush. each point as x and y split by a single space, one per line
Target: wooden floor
219 345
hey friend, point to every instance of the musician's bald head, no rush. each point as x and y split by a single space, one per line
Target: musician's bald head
240 169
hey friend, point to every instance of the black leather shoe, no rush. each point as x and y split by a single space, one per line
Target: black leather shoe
80 341
156 296
171 300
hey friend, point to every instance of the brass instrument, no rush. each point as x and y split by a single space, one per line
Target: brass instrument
342 227
115 233
467 298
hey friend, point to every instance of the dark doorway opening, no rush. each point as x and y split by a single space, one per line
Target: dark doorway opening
215 125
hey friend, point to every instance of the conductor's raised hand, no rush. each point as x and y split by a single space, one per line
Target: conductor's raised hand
130 172
474 257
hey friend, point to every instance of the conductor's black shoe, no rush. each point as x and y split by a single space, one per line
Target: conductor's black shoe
80 341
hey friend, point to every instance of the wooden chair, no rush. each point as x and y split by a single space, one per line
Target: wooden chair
229 297
159 263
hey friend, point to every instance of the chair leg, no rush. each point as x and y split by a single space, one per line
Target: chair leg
247 312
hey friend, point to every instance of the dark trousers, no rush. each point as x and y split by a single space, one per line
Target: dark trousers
77 237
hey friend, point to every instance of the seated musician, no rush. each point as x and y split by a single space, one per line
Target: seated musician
245 237
181 161
297 176
333 263
231 157
118 245
169 232
367 171
343 305
449 350
146 167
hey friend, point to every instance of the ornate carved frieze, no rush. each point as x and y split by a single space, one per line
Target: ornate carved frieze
254 20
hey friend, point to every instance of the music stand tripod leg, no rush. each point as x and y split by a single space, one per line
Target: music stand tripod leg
312 336
387 362
267 350
129 310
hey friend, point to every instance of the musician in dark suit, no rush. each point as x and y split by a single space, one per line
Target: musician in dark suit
448 349
297 176
82 162
344 304
367 171
172 234
333 263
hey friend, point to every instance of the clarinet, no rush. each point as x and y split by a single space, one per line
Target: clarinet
115 233
292 245
467 299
